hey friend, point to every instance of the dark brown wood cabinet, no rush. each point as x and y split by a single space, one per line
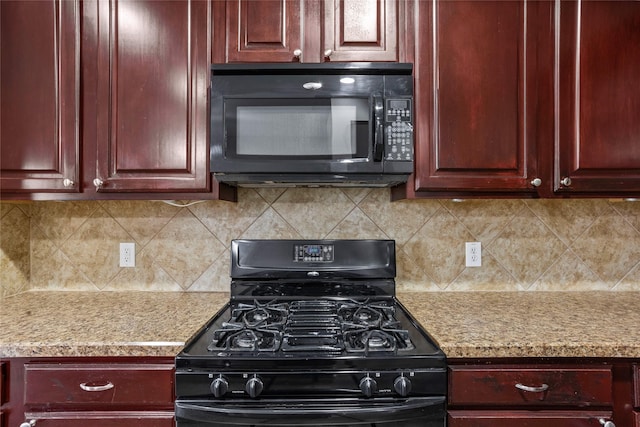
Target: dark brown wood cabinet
106 100
527 99
596 91
311 30
116 391
476 67
40 86
540 392
636 394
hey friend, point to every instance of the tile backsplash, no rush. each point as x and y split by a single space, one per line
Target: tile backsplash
585 244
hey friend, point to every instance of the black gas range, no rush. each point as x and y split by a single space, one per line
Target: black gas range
312 335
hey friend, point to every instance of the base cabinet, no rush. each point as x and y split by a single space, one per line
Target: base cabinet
527 419
550 394
89 391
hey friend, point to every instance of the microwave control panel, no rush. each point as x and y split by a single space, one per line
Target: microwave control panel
398 129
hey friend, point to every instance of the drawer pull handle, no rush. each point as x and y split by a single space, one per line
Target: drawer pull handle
543 387
86 387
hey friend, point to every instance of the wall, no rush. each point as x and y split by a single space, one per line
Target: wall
527 244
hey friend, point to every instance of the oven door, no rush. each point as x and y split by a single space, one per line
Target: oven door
388 412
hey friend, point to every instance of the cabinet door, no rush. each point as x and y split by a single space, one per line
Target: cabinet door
40 69
598 64
527 418
152 71
361 30
263 31
102 419
475 68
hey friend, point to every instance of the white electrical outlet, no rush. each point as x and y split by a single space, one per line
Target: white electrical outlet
127 254
473 254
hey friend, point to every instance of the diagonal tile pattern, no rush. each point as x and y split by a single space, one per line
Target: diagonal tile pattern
528 245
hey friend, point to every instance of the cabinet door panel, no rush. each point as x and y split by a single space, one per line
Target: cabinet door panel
103 384
361 30
598 63
103 419
263 31
39 47
636 385
153 71
562 386
475 95
527 418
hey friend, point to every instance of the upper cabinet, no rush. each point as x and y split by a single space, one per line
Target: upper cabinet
475 85
106 99
311 30
596 90
40 89
527 99
148 113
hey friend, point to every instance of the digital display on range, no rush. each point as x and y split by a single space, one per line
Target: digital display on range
313 253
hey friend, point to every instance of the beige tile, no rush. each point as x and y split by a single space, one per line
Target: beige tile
526 248
568 219
357 226
631 281
141 219
399 220
610 247
94 248
15 262
227 220
491 276
59 220
569 273
270 195
5 208
217 277
358 194
58 273
484 218
313 212
630 211
184 248
270 225
409 276
147 275
438 247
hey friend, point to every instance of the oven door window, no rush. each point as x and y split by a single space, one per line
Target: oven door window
316 128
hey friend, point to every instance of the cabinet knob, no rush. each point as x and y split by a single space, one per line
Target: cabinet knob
566 181
536 182
29 423
98 183
328 53
606 423
68 182
297 53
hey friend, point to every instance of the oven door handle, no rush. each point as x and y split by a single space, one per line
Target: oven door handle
310 412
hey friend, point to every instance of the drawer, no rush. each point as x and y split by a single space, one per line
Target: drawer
104 384
513 385
636 385
527 418
102 419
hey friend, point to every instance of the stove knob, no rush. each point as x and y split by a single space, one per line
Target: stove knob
254 387
368 386
219 386
402 386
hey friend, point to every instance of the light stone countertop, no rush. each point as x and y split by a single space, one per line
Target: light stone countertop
465 324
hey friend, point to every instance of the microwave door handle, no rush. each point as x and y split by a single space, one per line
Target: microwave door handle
378 129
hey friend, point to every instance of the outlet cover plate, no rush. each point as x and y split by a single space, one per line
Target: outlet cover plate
473 254
127 254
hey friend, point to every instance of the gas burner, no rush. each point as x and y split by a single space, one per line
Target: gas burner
237 338
270 315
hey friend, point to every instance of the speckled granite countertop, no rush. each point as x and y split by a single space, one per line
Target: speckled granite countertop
465 324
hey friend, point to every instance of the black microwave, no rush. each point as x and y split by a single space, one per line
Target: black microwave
330 124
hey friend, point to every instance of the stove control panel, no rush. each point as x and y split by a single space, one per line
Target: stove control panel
371 384
313 253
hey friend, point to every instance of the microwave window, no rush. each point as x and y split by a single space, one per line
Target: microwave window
309 128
